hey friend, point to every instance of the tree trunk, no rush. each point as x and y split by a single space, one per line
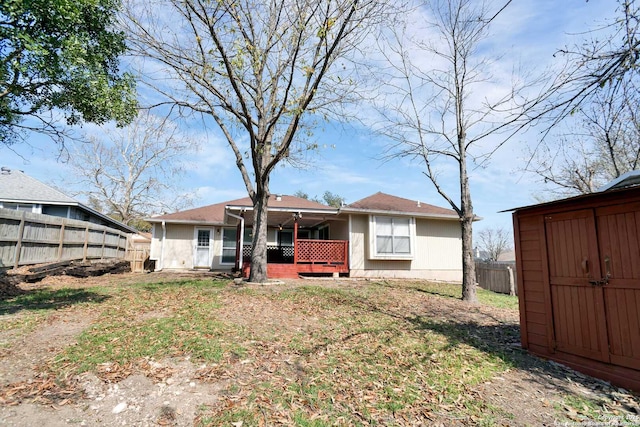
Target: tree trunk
468 264
259 247
466 210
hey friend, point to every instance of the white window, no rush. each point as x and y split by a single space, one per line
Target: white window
391 237
229 236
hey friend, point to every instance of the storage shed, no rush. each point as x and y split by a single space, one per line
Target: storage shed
578 262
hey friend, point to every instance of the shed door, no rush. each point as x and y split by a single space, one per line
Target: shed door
578 306
618 237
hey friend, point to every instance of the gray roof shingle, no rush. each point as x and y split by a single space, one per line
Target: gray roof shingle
16 186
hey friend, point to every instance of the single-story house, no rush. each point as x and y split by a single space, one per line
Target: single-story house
378 236
19 191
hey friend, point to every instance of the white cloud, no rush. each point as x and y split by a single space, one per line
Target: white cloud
208 195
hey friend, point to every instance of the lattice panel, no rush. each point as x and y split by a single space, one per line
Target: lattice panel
321 251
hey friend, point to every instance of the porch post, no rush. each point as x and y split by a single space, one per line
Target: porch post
238 246
295 239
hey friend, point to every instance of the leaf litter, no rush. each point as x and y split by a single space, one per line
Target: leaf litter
346 353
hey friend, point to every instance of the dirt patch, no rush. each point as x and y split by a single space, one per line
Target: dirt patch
177 392
136 400
22 355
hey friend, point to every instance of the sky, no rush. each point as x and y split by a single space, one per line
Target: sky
349 161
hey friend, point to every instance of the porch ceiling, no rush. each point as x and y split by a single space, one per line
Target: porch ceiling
287 219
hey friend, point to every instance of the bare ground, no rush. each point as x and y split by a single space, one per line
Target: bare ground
173 391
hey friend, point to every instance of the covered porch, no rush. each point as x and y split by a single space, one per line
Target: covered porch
302 242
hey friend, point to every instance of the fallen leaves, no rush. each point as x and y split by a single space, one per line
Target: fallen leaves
43 389
114 372
336 354
48 389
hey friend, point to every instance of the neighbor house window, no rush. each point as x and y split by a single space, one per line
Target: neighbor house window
392 237
229 237
21 207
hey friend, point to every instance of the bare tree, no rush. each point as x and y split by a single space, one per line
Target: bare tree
441 112
130 173
610 56
257 69
494 241
604 143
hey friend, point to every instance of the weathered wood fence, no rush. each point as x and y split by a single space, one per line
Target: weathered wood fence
28 238
138 255
497 276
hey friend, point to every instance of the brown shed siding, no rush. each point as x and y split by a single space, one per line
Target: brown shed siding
529 265
578 266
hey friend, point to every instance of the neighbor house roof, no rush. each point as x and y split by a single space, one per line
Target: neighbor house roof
387 204
215 214
18 187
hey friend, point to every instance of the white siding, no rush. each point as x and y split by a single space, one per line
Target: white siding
438 252
339 230
179 247
438 245
156 242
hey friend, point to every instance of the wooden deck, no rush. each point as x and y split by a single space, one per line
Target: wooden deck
310 257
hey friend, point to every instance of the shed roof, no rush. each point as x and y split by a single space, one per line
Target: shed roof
627 182
628 179
386 203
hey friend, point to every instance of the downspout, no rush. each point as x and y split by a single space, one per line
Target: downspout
164 237
350 246
241 218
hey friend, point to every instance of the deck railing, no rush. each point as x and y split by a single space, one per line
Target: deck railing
322 251
308 252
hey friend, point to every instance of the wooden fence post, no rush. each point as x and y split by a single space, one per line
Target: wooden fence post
16 257
104 238
61 244
512 285
86 244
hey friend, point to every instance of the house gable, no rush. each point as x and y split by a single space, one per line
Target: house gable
386 204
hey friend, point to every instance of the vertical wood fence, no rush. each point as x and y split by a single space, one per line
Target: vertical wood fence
28 238
497 276
138 255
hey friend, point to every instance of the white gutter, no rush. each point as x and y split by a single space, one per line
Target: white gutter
164 237
241 218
